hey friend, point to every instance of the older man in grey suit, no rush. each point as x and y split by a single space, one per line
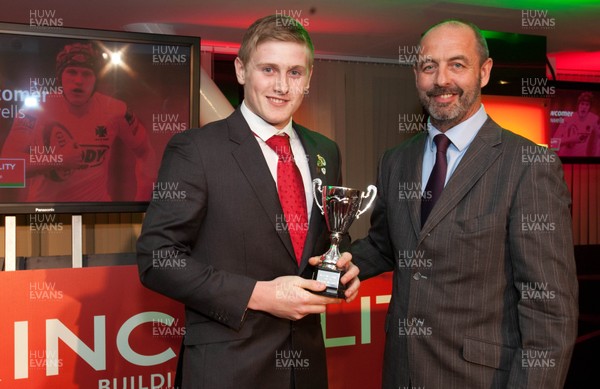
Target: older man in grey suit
484 288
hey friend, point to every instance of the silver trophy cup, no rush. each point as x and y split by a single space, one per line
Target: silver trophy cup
340 206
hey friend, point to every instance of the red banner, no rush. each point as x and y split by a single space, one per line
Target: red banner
100 328
355 336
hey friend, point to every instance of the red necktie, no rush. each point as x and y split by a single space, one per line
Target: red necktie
291 193
437 179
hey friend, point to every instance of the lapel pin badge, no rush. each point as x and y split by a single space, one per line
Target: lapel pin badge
321 163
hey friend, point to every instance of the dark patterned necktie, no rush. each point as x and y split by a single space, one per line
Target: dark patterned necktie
291 193
437 179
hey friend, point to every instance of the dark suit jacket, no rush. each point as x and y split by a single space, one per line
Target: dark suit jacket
230 233
485 294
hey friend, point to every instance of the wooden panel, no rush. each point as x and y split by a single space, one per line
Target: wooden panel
55 234
114 233
576 207
568 171
583 181
592 203
584 219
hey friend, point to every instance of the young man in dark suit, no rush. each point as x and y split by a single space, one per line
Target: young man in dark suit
248 226
484 288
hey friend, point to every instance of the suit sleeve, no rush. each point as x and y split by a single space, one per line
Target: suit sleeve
541 251
169 233
374 254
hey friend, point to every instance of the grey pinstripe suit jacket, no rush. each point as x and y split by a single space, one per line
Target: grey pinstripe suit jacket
485 294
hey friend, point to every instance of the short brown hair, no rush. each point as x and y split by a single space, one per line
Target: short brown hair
278 28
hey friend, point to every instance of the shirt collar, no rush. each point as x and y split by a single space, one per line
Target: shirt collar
261 128
463 133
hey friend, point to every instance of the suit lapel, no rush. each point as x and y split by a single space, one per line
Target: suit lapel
415 155
311 149
252 163
476 161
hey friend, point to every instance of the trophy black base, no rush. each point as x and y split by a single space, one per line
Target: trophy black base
331 278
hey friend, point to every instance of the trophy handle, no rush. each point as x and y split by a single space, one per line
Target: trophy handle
317 187
372 193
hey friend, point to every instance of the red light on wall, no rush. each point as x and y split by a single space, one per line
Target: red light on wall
575 66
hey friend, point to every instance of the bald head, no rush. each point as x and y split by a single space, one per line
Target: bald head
480 42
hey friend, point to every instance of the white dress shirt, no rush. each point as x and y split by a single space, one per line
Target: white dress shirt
461 137
263 132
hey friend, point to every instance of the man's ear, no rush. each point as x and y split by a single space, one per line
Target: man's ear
239 71
485 71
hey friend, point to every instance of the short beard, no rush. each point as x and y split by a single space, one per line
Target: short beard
445 116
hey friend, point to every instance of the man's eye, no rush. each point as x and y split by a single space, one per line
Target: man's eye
268 70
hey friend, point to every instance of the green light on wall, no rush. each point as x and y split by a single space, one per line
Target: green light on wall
550 5
503 36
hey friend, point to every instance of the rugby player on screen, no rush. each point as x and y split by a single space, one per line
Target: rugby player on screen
68 139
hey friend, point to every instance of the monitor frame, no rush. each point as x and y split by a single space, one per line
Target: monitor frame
17 32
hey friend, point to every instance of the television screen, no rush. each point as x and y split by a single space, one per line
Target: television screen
575 120
85 116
